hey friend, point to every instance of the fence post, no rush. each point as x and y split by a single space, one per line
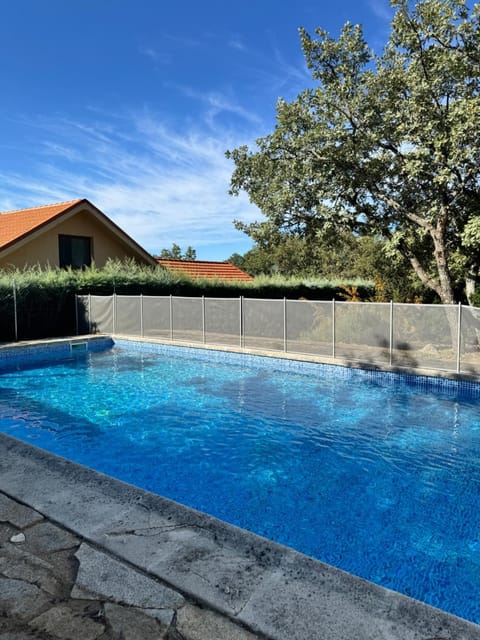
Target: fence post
241 321
203 320
285 325
459 335
76 314
333 328
141 315
15 316
391 332
114 313
171 317
89 313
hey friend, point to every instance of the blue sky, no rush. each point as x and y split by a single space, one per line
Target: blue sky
133 104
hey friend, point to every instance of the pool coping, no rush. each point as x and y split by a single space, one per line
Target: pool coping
265 587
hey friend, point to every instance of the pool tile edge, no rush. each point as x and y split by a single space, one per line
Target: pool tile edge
31 352
270 589
419 378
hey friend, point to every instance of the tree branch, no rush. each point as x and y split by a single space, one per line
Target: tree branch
427 280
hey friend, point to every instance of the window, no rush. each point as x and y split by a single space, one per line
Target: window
75 251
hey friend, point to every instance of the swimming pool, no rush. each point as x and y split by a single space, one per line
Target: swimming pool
374 473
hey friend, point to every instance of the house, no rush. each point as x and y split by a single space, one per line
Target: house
202 269
67 234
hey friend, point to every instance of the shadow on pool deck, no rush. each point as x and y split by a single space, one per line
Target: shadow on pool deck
109 558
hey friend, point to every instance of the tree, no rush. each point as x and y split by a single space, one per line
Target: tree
255 261
384 145
175 253
294 255
337 257
190 254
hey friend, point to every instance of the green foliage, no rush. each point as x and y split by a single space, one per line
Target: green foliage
175 253
294 255
475 299
341 258
43 299
383 145
238 260
46 297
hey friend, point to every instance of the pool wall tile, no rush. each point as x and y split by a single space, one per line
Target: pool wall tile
13 356
400 380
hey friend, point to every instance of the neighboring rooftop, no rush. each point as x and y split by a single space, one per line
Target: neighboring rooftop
205 269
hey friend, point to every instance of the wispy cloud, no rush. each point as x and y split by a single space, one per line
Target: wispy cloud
217 104
236 43
381 9
160 185
162 180
273 74
156 56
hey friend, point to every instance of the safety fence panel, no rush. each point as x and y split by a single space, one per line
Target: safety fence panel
101 314
309 327
425 336
223 321
82 310
263 324
439 337
187 319
470 341
157 317
362 331
128 315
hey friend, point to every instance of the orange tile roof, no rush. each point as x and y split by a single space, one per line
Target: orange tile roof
204 269
17 224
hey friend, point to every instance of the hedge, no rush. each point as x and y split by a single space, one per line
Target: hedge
45 298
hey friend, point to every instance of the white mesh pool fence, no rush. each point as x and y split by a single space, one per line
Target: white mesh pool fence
413 336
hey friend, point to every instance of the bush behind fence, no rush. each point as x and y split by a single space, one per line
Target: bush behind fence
439 337
36 303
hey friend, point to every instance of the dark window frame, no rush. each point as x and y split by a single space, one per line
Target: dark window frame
72 254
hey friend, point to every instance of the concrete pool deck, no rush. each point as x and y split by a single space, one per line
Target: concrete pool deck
103 559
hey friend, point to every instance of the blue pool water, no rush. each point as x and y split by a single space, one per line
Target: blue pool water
374 474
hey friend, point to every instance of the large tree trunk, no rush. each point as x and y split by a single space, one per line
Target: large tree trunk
439 244
441 285
442 282
445 289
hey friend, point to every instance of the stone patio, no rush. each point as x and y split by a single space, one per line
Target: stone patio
55 586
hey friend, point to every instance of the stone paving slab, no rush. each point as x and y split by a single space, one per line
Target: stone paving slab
102 599
55 586
195 623
17 514
101 577
62 621
20 564
21 599
195 577
192 558
126 623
